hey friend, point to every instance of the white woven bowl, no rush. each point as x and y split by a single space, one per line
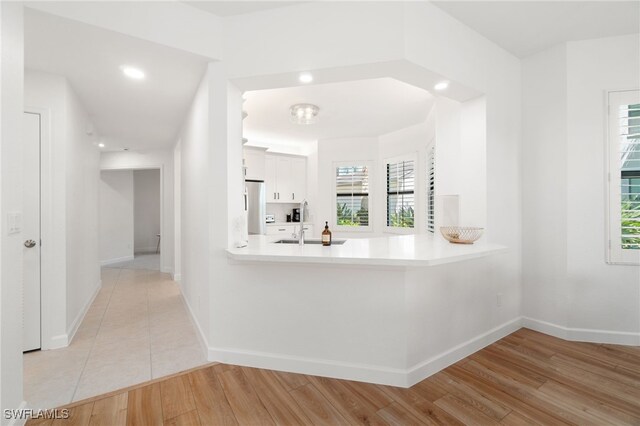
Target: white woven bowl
461 234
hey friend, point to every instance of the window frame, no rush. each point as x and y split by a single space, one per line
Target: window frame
334 195
416 188
615 254
430 201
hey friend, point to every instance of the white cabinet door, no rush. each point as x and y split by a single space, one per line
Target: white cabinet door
285 180
299 179
254 162
271 178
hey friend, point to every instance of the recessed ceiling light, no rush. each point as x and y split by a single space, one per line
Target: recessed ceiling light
131 72
442 85
101 145
305 77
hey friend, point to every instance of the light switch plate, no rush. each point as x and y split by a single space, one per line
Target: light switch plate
14 223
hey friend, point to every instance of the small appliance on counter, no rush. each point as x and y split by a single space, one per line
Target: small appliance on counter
270 218
296 215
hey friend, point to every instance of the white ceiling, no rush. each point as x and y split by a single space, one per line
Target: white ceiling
527 27
362 108
238 7
141 115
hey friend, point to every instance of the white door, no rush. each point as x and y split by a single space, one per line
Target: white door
31 232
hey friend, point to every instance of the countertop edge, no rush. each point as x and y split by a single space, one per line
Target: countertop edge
377 261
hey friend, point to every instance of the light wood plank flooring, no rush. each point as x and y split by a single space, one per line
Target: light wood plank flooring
524 379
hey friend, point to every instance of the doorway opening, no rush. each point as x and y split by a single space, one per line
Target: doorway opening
131 219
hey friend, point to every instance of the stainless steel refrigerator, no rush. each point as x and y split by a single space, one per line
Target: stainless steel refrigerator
256 206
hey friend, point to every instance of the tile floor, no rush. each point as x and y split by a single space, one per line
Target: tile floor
137 329
149 261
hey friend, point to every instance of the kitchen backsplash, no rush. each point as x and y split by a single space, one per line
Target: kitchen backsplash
280 211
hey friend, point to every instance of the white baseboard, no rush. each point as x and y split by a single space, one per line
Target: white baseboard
431 366
201 336
315 367
18 421
57 342
362 372
73 328
177 277
116 260
583 334
144 250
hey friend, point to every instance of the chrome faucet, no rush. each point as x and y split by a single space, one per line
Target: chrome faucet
303 208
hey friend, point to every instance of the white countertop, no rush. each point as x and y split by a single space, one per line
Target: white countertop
401 250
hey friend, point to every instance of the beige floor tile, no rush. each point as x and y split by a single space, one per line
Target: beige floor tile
177 359
136 328
112 376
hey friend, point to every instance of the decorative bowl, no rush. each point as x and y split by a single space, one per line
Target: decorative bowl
461 234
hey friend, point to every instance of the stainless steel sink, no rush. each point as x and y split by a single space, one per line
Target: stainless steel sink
292 241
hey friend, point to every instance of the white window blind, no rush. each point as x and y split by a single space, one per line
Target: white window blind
624 177
352 196
431 188
400 193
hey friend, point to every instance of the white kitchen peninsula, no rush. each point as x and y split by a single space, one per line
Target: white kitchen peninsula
389 310
401 250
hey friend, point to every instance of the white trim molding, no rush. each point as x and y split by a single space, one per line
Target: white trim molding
202 338
361 372
116 260
408 377
431 366
73 328
628 338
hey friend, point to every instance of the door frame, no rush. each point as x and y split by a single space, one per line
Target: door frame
160 167
47 268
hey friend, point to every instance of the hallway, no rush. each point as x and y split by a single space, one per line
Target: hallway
137 329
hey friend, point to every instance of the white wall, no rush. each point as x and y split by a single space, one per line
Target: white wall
473 162
566 280
146 189
71 261
544 184
160 159
116 216
11 111
194 208
82 177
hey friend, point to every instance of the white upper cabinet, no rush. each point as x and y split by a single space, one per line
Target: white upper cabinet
285 178
299 181
254 163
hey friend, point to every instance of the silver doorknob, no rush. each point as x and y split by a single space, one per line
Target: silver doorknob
29 243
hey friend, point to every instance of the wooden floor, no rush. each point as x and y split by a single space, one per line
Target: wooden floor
525 378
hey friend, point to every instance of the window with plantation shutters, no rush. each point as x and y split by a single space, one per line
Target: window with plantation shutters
352 196
431 188
401 180
624 176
